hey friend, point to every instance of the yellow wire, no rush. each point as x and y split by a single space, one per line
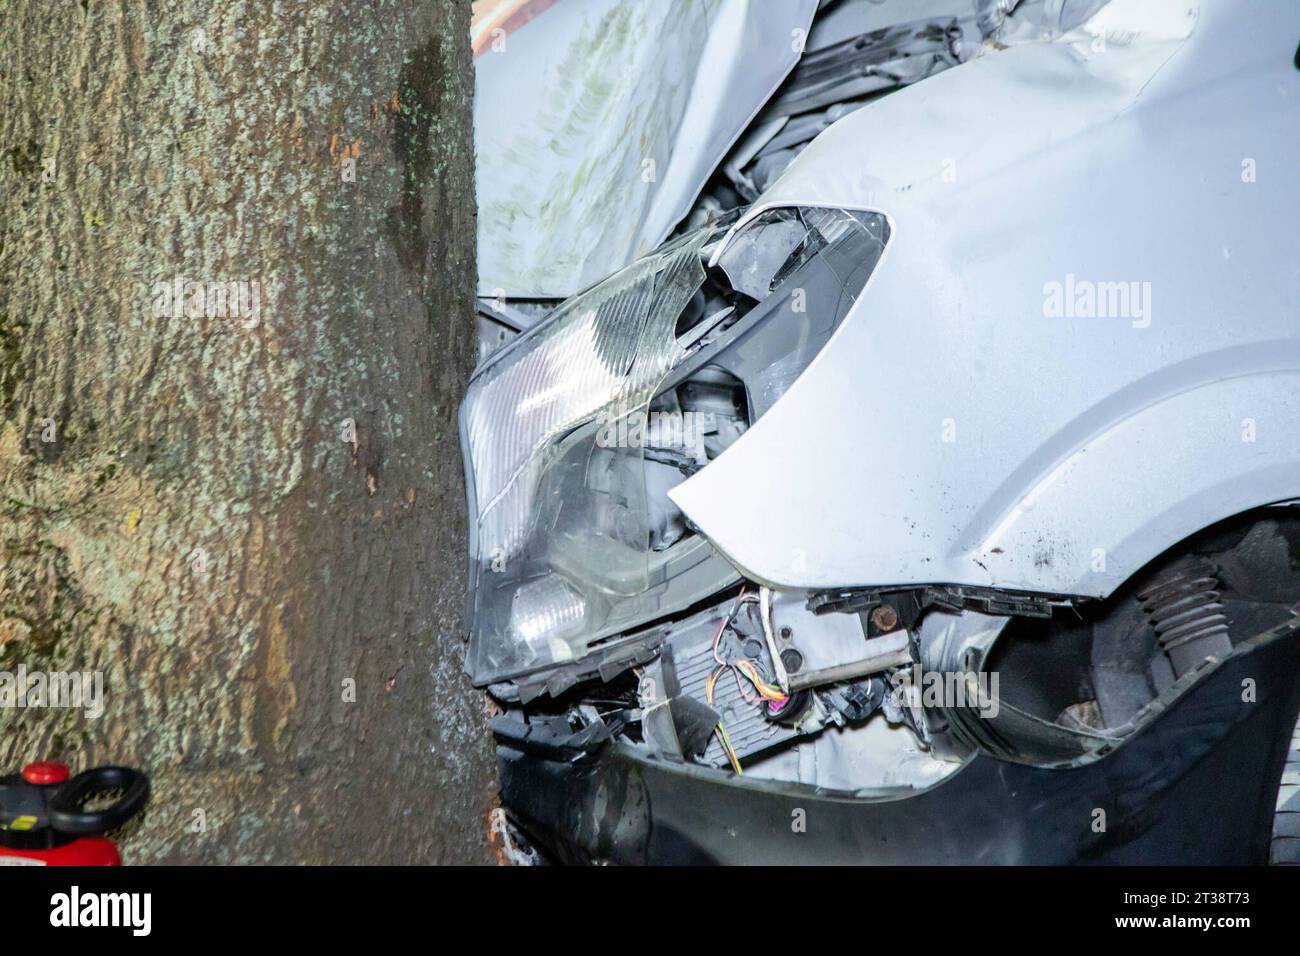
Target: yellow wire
764 689
722 731
731 751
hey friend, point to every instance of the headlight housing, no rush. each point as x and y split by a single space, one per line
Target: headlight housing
574 434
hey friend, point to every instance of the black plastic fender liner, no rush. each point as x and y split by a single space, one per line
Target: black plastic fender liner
1196 785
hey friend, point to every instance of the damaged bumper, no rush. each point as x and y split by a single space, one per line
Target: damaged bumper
1160 797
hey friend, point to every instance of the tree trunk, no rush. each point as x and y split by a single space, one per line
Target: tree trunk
246 513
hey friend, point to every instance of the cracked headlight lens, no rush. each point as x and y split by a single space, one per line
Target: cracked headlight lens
563 496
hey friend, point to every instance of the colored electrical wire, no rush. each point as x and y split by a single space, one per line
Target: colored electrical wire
730 750
773 695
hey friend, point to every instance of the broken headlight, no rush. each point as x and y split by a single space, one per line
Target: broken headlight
574 434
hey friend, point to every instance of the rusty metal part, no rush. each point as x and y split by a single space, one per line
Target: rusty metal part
885 618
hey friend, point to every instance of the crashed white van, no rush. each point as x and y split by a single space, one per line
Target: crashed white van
916 447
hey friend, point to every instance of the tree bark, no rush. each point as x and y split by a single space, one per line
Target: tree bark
235 516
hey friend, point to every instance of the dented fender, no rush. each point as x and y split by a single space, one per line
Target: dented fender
1080 345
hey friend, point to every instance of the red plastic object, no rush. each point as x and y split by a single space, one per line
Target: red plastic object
88 851
45 772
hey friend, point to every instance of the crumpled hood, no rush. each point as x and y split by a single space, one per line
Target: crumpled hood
596 124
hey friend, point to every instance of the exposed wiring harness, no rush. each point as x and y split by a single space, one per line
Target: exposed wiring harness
778 666
773 695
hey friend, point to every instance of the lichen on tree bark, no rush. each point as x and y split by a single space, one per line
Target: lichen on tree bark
183 504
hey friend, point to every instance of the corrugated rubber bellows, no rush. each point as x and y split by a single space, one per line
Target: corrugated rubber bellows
1186 610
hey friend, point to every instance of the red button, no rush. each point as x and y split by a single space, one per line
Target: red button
45 771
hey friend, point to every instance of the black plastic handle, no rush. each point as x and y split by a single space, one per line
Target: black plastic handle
64 804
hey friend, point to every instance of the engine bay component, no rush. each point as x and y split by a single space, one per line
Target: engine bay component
883 653
1187 614
721 663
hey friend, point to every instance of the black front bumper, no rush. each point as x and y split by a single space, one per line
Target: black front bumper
1195 785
